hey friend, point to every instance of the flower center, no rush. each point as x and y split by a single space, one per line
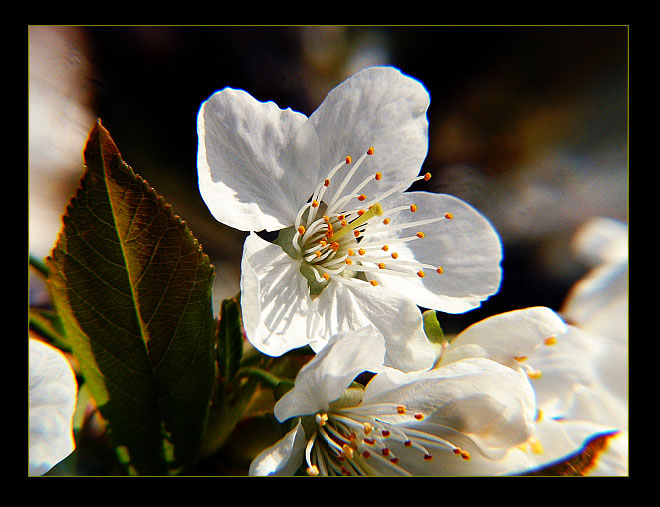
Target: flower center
363 440
338 240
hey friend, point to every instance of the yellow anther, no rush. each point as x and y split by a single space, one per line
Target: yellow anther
348 159
381 265
326 276
535 445
427 176
323 243
334 245
350 251
394 255
420 234
534 374
374 283
362 251
313 470
440 270
343 223
413 207
400 409
348 261
326 219
361 197
315 204
360 212
449 216
421 274
321 419
539 415
552 340
428 457
465 455
386 221
340 217
347 451
370 151
385 248
301 230
520 359
326 182
318 253
419 417
378 176
367 428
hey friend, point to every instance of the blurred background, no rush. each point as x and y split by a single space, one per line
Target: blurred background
527 124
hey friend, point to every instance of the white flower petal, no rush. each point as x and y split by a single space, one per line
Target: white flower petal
344 307
53 392
379 107
599 302
583 377
505 336
487 402
467 247
257 164
331 371
602 241
275 298
284 457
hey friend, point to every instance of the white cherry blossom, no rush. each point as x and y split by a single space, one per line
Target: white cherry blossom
52 397
458 419
353 248
562 363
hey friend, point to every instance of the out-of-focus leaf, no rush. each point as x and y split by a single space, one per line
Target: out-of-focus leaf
580 462
230 339
133 289
48 324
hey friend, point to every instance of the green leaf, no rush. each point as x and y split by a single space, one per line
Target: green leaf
133 289
432 327
230 339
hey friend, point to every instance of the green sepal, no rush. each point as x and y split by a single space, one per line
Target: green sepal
432 327
285 241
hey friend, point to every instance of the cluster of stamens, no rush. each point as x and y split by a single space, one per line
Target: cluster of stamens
333 237
534 373
356 441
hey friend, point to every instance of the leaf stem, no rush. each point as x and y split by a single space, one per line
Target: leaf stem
262 375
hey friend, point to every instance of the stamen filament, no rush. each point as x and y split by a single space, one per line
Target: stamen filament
398 188
416 223
322 187
308 450
350 174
